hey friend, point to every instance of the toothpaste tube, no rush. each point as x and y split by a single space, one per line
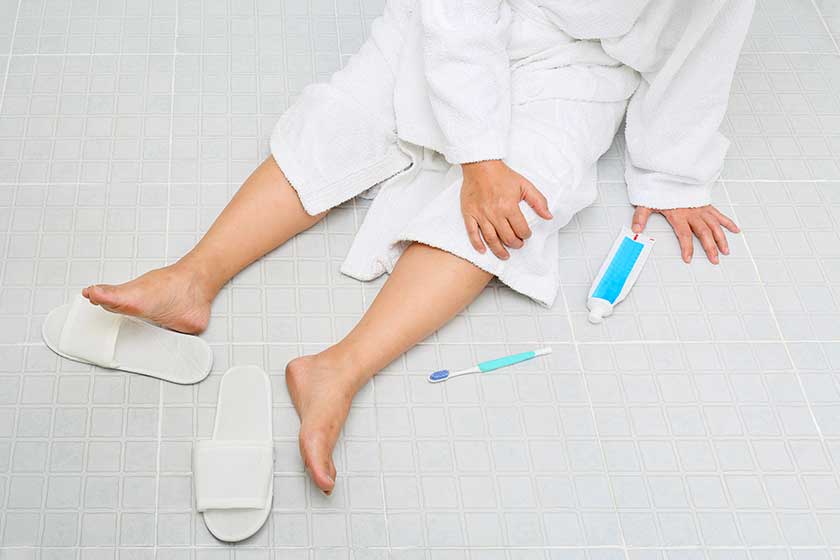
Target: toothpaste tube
618 273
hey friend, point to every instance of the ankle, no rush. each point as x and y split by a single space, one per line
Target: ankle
347 368
199 275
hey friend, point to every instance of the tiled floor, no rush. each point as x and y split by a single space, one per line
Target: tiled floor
701 421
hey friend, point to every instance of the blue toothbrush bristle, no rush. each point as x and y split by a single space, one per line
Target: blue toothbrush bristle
438 375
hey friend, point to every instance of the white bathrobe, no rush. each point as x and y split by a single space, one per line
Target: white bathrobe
542 84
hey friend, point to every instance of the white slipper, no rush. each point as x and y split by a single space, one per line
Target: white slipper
233 472
89 334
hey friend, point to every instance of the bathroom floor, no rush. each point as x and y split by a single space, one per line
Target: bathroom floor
702 420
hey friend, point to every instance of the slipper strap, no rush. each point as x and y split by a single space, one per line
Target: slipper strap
90 333
232 474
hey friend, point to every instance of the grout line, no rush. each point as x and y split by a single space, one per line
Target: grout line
794 367
293 252
231 52
165 260
8 56
209 182
635 342
596 435
517 343
773 315
89 405
96 54
776 180
7 242
442 548
827 27
372 381
5 487
265 354
793 53
227 183
101 260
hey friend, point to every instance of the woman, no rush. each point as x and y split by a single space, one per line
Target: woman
476 126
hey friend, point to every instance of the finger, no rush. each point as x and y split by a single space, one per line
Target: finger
536 200
726 221
519 225
718 234
492 240
474 235
704 233
683 233
506 234
640 218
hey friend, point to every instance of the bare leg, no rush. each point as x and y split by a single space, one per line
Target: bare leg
264 213
427 288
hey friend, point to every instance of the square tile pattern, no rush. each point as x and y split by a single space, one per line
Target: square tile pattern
702 420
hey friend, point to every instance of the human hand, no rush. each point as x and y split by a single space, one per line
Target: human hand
704 222
490 197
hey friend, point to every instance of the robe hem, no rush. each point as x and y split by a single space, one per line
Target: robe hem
534 287
316 198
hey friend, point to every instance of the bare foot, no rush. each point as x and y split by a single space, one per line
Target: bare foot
171 297
322 395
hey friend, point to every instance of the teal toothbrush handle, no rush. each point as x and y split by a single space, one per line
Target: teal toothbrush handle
490 365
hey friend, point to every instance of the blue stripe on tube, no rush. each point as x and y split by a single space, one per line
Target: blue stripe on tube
619 269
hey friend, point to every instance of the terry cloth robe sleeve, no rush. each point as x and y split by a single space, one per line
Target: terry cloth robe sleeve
468 75
686 53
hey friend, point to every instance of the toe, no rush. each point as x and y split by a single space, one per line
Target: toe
101 295
94 294
112 298
323 481
317 456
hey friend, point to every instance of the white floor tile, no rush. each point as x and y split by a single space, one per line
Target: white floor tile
700 421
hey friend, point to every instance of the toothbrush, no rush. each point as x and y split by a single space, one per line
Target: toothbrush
489 365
